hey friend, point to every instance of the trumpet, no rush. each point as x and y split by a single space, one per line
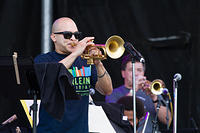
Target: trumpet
114 48
156 86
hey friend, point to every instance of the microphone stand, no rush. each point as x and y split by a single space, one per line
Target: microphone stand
134 96
155 121
34 108
175 86
135 54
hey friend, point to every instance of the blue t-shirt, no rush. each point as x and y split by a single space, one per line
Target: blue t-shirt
148 104
75 119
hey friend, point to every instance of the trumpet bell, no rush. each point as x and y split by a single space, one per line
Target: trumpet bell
157 87
115 47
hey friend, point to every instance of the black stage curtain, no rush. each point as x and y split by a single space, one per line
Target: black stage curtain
165 32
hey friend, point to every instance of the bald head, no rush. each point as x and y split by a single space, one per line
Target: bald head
64 24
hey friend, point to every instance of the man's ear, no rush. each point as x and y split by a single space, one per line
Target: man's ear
53 37
123 73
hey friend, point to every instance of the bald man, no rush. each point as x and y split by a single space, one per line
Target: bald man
68 48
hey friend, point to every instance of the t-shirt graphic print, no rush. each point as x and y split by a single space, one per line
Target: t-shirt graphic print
82 79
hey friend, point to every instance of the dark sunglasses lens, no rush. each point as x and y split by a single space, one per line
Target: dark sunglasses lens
77 35
67 35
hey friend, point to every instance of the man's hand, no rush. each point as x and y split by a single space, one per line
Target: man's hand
81 45
140 82
94 51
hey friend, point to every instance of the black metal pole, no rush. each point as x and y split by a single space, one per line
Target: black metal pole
35 112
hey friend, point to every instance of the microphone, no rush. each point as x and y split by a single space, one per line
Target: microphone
92 91
177 77
165 91
129 47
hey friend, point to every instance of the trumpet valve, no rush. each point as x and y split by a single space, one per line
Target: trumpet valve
90 61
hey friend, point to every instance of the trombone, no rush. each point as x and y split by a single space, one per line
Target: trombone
114 48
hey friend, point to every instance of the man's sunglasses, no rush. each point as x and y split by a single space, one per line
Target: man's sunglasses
68 34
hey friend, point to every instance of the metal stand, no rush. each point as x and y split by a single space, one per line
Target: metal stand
134 96
34 92
33 108
175 86
135 55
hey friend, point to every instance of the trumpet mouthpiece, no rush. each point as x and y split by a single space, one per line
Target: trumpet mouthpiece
73 44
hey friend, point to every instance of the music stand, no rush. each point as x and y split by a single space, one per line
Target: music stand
18 76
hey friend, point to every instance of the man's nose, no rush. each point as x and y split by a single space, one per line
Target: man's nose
73 38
